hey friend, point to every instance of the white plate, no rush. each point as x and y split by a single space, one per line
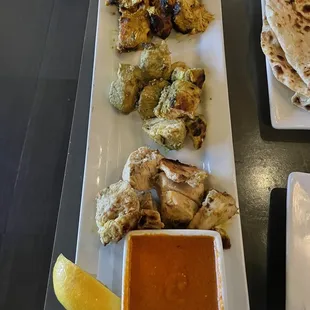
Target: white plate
219 258
113 136
298 242
283 114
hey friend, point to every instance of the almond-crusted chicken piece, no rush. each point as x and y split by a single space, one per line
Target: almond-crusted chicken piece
134 30
124 91
179 172
141 167
176 209
179 100
195 75
155 61
190 16
168 133
149 216
149 98
163 184
225 238
161 23
197 129
118 211
217 209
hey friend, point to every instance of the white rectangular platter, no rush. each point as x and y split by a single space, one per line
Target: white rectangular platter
283 114
297 241
113 136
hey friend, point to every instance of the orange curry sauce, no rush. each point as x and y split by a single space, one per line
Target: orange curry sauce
169 272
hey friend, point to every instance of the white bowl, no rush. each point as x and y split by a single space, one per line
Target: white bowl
219 257
298 241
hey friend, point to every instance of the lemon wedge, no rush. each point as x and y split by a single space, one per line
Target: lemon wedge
78 290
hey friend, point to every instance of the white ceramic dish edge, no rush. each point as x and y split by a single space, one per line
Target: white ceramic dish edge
297 242
218 247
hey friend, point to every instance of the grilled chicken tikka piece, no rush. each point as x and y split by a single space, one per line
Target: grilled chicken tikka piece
180 99
179 172
124 91
197 130
134 30
163 184
118 211
193 75
190 16
217 209
155 61
168 133
149 215
161 23
176 209
149 98
140 168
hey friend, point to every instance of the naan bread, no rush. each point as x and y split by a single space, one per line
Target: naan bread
293 33
281 69
301 102
303 7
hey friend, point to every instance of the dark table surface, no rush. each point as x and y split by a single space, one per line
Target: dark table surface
41 103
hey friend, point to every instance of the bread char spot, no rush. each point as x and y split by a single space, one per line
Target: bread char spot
306 8
279 70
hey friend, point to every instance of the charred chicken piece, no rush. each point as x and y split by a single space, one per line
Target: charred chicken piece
163 184
140 168
168 5
124 91
197 129
195 75
217 209
161 23
149 215
149 98
179 100
225 238
179 172
134 30
155 61
168 133
190 16
176 209
118 211
150 219
131 5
